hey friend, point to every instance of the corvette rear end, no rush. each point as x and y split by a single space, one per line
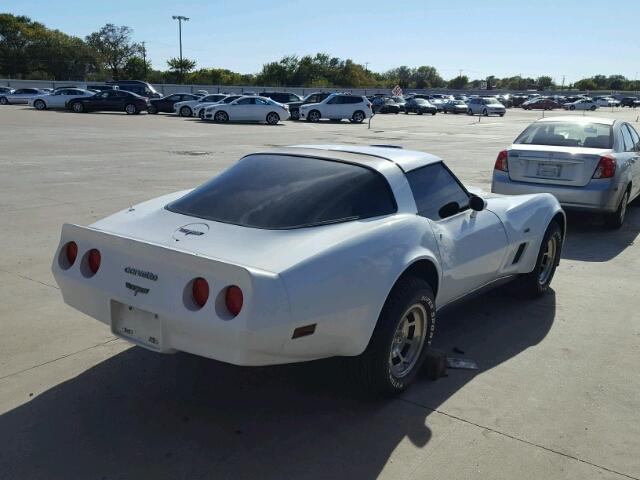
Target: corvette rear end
165 299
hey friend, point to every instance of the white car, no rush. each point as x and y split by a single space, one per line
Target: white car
187 108
485 106
248 108
582 104
606 102
59 98
20 95
337 106
307 252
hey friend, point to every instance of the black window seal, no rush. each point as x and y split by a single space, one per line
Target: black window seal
314 224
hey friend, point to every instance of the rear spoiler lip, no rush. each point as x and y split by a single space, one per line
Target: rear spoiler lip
69 227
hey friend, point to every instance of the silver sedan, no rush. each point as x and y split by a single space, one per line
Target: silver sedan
588 163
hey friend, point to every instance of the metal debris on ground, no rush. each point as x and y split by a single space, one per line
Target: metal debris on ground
461 363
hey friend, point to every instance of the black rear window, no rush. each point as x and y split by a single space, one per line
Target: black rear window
285 191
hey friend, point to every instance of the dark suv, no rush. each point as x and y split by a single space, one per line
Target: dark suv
138 87
631 102
316 97
282 97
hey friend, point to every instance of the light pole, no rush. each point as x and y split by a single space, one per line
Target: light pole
180 19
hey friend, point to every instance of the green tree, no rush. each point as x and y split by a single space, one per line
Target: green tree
114 46
458 83
544 82
136 68
179 68
586 84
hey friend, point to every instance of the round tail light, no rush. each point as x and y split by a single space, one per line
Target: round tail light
233 299
94 260
200 291
71 251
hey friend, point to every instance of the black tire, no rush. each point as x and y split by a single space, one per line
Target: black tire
313 116
152 109
273 118
295 114
201 114
502 114
433 113
77 107
40 105
469 112
4 101
221 117
616 219
485 112
593 108
373 368
535 283
358 116
185 111
572 107
130 109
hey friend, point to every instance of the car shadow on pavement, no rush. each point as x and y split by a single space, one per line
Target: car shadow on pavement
588 240
144 415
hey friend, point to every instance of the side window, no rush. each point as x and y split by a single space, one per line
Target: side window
437 193
246 101
335 100
293 98
626 137
19 91
260 101
176 97
634 137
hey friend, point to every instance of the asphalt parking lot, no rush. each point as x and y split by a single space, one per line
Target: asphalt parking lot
556 394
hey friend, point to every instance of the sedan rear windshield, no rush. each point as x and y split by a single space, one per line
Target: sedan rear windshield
568 134
286 191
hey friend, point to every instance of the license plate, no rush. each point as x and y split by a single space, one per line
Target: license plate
549 171
137 325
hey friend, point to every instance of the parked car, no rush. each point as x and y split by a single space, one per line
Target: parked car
574 98
587 163
419 106
110 100
606 102
59 98
143 89
165 104
315 97
582 104
187 108
485 106
337 106
631 102
300 253
247 108
282 97
200 109
20 95
401 101
454 106
389 106
541 104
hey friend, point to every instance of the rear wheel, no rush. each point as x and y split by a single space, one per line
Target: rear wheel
313 116
152 109
78 107
295 115
201 114
221 117
485 113
536 282
616 219
40 105
273 118
593 107
402 335
3 101
358 117
185 111
130 109
572 107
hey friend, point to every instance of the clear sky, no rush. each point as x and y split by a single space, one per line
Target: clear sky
575 38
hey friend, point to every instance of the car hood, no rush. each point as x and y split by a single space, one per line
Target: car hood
269 250
309 105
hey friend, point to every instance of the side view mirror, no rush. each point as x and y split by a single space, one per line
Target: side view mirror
477 204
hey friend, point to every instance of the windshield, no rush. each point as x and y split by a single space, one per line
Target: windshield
567 134
286 191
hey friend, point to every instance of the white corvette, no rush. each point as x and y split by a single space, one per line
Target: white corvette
307 252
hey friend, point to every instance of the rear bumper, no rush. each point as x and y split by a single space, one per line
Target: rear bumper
597 195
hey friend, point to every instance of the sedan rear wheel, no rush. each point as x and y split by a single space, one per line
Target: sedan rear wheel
40 105
185 112
273 118
201 114
78 107
572 107
616 220
130 109
221 117
152 109
3 101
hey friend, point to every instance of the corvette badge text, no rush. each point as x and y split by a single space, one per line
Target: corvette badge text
136 288
139 273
